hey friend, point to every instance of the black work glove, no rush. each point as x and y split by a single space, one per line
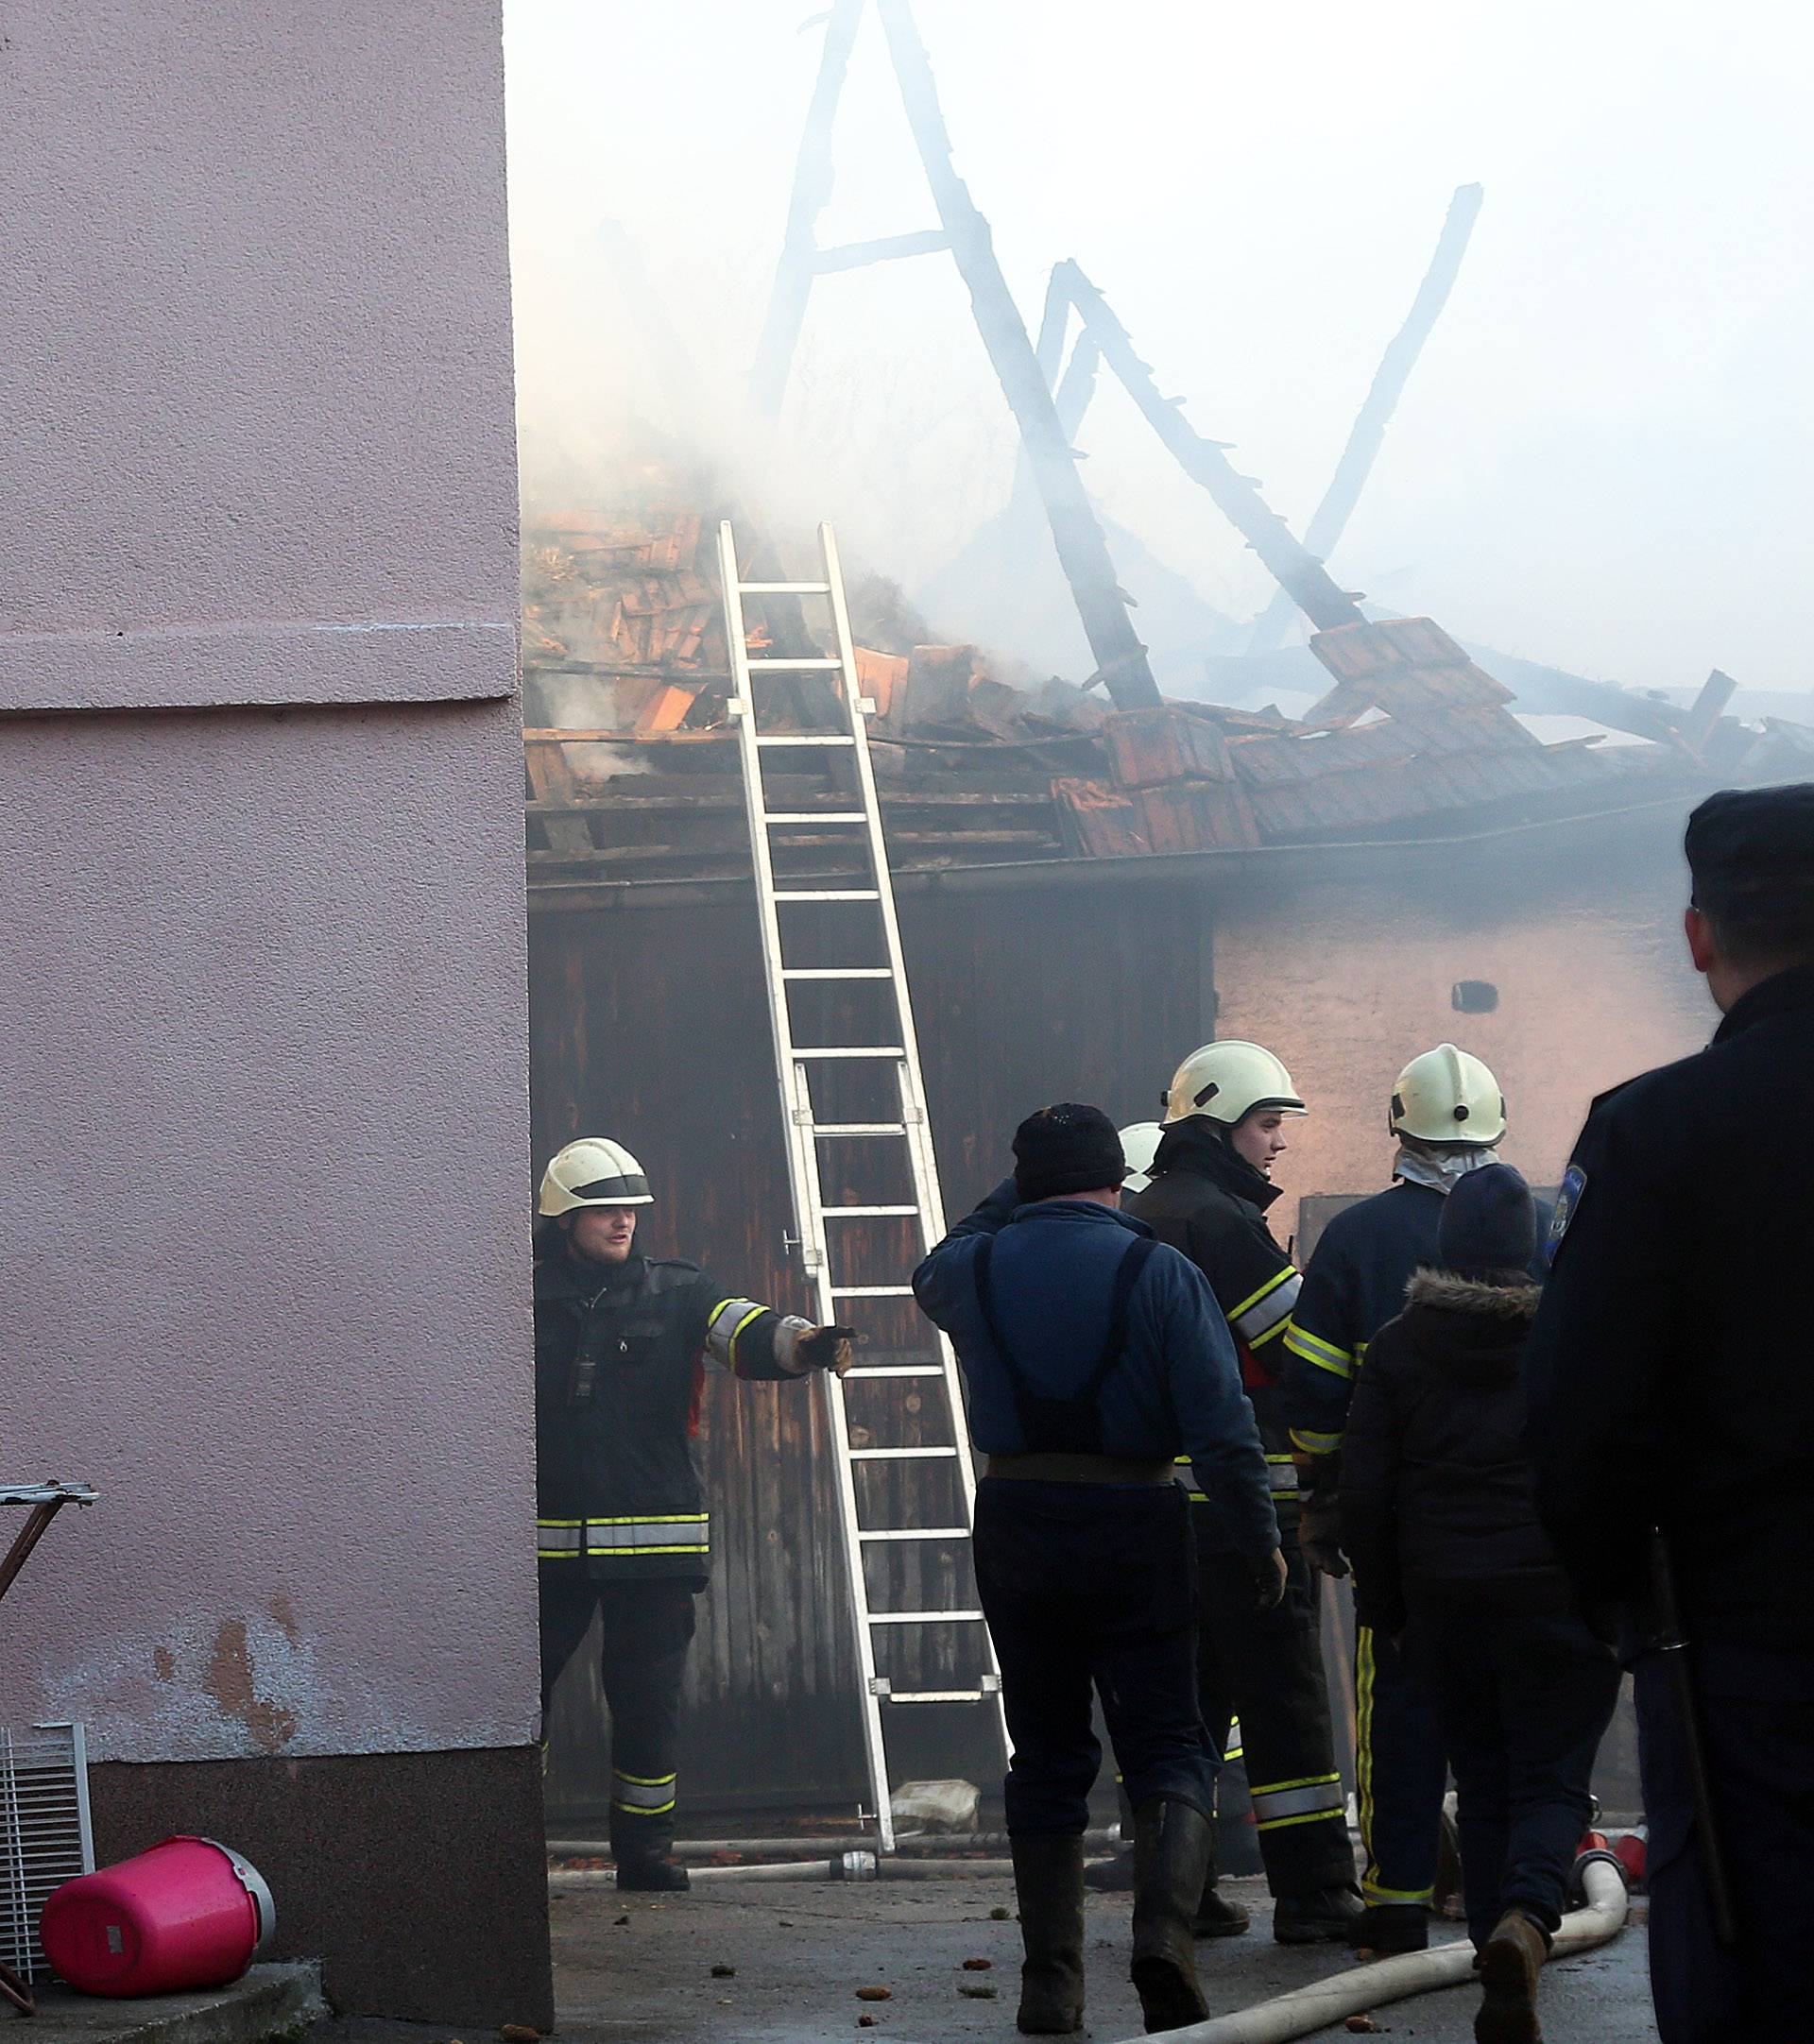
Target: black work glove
1271 1575
826 1348
1319 1530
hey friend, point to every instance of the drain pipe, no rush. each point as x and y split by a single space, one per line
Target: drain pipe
1307 2010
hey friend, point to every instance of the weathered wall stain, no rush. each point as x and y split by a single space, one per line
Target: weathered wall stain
231 1681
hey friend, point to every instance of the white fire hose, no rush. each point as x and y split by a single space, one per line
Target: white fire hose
1307 2010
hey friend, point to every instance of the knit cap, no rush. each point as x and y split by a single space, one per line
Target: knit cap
1068 1148
1489 1224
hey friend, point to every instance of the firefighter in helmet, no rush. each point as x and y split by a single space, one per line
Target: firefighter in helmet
1448 1116
1225 1113
622 1529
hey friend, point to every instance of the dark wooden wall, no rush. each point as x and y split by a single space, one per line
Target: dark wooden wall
651 1026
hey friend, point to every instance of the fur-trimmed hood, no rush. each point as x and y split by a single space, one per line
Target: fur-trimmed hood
1455 1293
1468 1330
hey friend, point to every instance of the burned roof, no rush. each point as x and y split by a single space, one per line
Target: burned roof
633 775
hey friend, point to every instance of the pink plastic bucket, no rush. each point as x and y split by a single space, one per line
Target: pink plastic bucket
187 1914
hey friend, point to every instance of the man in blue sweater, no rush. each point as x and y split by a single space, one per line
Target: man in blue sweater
1094 1355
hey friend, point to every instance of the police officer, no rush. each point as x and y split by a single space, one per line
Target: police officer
1447 1117
622 1529
1094 1356
1669 1387
1224 1120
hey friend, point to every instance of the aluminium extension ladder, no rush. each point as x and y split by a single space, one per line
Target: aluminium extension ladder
887 1056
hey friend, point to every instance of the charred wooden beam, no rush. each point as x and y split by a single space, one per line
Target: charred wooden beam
1083 552
1368 433
1237 496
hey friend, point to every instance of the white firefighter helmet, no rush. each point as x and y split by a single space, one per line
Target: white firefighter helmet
594 1172
1448 1097
1227 1082
1139 1146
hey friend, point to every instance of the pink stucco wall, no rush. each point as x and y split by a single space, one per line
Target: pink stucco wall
263 1096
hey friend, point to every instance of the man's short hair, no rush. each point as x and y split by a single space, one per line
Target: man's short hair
1751 851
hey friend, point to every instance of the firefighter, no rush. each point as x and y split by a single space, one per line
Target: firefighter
1447 1117
1093 1357
1225 1121
622 1528
1669 1387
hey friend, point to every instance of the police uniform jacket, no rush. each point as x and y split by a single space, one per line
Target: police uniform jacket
1669 1376
621 1351
1210 1203
1354 1284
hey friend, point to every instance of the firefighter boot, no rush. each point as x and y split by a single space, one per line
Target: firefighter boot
1216 1915
1172 1842
651 1873
1509 1964
1389 1927
1049 1887
1323 1917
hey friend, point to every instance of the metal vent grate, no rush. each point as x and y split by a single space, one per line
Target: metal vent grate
46 1837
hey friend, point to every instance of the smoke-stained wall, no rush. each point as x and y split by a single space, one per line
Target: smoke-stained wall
261 875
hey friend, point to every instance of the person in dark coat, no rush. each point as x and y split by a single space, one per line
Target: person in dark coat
1671 1395
1439 1516
1093 1356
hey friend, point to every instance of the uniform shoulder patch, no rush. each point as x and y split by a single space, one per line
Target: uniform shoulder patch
1574 1184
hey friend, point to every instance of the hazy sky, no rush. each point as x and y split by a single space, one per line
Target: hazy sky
1604 458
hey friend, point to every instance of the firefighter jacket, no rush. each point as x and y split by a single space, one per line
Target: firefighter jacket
620 1364
1210 1202
1353 1285
1161 1383
1667 1376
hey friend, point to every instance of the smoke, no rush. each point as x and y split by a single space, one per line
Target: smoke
1600 461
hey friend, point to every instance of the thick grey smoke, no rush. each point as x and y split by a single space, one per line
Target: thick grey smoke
1602 460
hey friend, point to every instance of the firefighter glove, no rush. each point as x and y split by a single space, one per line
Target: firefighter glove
1270 1577
1319 1533
826 1347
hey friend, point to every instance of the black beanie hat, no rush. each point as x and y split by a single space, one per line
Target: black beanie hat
1489 1224
1065 1149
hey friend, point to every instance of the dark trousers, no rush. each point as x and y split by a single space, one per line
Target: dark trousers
1090 1586
642 1659
1266 1668
1756 1710
1523 1695
1400 1774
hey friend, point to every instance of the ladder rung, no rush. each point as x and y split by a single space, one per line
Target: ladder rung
875 1291
827 894
919 1533
815 816
795 667
785 739
864 1213
837 972
939 1696
783 589
896 1369
837 1129
852 1051
900 1455
924 1618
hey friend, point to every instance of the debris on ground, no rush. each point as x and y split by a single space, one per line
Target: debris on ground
517 2033
722 1971
978 1991
978 1966
875 1994
1364 2026
999 1914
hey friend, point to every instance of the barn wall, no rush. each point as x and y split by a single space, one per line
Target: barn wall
652 1026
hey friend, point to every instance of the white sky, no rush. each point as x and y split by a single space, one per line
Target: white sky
1607 455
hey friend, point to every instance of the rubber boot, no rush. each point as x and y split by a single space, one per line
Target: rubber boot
1112 1876
1389 1927
1323 1917
1172 1841
1049 1887
651 1873
1509 1964
1216 1915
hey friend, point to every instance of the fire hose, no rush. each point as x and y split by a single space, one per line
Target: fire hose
1307 2010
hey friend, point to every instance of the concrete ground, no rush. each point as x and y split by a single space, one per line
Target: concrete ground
640 1969
269 2003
